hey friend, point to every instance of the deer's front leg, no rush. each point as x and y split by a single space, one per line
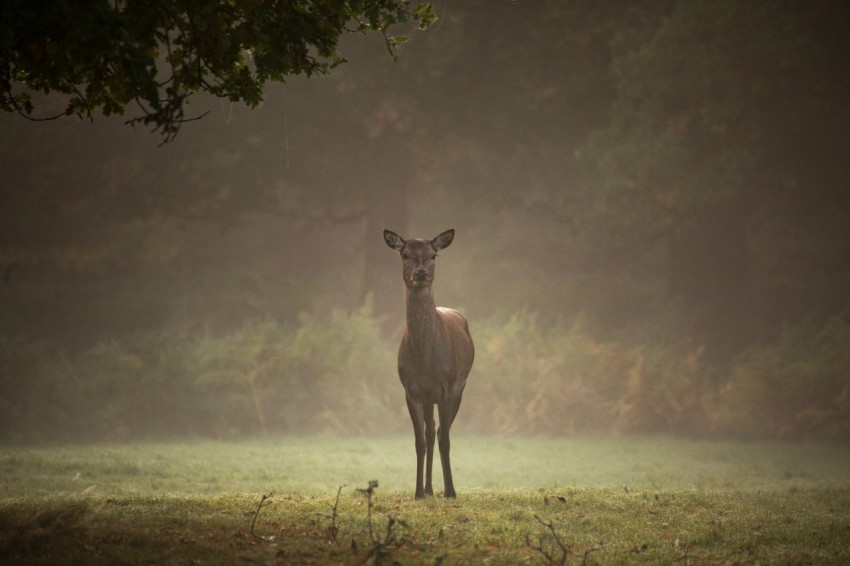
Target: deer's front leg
417 417
430 435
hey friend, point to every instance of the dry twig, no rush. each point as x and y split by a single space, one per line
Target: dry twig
559 552
369 492
257 513
333 529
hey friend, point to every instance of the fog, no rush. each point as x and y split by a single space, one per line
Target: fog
651 209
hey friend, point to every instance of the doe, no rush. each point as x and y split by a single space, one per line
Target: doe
434 357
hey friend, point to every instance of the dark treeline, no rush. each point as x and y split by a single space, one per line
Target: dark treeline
651 203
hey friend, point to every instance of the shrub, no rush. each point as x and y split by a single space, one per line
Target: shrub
349 372
665 390
795 387
238 376
135 387
29 400
334 373
560 380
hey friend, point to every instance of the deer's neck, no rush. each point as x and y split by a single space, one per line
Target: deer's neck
423 324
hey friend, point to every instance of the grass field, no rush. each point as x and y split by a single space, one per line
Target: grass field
632 500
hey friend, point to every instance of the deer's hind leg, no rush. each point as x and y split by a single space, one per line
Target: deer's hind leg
448 412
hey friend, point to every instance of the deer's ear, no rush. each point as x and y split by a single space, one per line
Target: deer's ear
393 240
444 240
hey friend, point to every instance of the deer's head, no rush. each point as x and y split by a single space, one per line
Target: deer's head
418 256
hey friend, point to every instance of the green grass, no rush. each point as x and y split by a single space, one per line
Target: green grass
646 500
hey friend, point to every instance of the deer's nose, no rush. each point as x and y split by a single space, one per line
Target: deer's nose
420 274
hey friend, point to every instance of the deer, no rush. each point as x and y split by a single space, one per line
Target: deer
434 357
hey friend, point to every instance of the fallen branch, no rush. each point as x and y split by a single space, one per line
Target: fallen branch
591 550
381 547
550 553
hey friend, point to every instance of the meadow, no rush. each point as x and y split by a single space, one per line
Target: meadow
307 500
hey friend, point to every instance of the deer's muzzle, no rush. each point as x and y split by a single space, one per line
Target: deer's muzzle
420 276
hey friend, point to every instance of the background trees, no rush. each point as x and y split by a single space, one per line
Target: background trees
650 197
727 127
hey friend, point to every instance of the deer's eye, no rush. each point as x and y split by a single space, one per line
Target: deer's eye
405 255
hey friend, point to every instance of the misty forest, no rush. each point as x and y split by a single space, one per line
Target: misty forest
652 211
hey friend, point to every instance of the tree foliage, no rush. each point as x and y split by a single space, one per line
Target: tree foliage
105 56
